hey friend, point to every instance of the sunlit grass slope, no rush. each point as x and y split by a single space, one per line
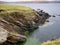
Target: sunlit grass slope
14 8
53 42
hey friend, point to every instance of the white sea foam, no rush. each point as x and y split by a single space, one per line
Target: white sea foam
47 24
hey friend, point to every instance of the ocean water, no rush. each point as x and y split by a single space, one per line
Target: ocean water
48 31
51 8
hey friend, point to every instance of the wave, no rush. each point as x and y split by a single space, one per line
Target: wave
47 24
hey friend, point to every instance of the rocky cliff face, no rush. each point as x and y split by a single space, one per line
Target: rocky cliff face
14 24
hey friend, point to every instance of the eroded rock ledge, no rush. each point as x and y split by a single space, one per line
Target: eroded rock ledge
14 25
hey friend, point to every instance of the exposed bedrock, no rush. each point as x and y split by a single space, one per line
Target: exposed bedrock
13 25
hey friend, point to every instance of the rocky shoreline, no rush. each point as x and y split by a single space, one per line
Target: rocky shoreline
15 25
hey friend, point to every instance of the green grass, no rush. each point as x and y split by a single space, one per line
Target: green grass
14 8
53 42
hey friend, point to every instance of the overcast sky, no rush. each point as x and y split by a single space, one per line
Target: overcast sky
27 0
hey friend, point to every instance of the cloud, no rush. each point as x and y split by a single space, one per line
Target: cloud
9 0
27 0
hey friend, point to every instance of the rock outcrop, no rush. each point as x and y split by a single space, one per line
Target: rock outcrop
14 24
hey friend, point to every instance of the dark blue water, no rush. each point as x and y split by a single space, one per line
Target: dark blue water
49 30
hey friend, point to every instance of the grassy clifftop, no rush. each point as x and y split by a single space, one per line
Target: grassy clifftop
26 11
14 8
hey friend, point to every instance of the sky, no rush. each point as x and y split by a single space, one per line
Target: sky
27 0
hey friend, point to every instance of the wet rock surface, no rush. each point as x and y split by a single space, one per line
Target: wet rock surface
53 16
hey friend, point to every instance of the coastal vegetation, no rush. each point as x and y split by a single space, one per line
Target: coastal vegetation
52 42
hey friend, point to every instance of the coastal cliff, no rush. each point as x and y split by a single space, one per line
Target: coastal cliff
17 21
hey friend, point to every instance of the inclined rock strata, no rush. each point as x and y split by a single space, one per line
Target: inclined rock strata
14 24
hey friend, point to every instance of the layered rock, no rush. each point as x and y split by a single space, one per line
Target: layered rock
3 35
14 24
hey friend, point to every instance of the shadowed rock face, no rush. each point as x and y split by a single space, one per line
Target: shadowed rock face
16 23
